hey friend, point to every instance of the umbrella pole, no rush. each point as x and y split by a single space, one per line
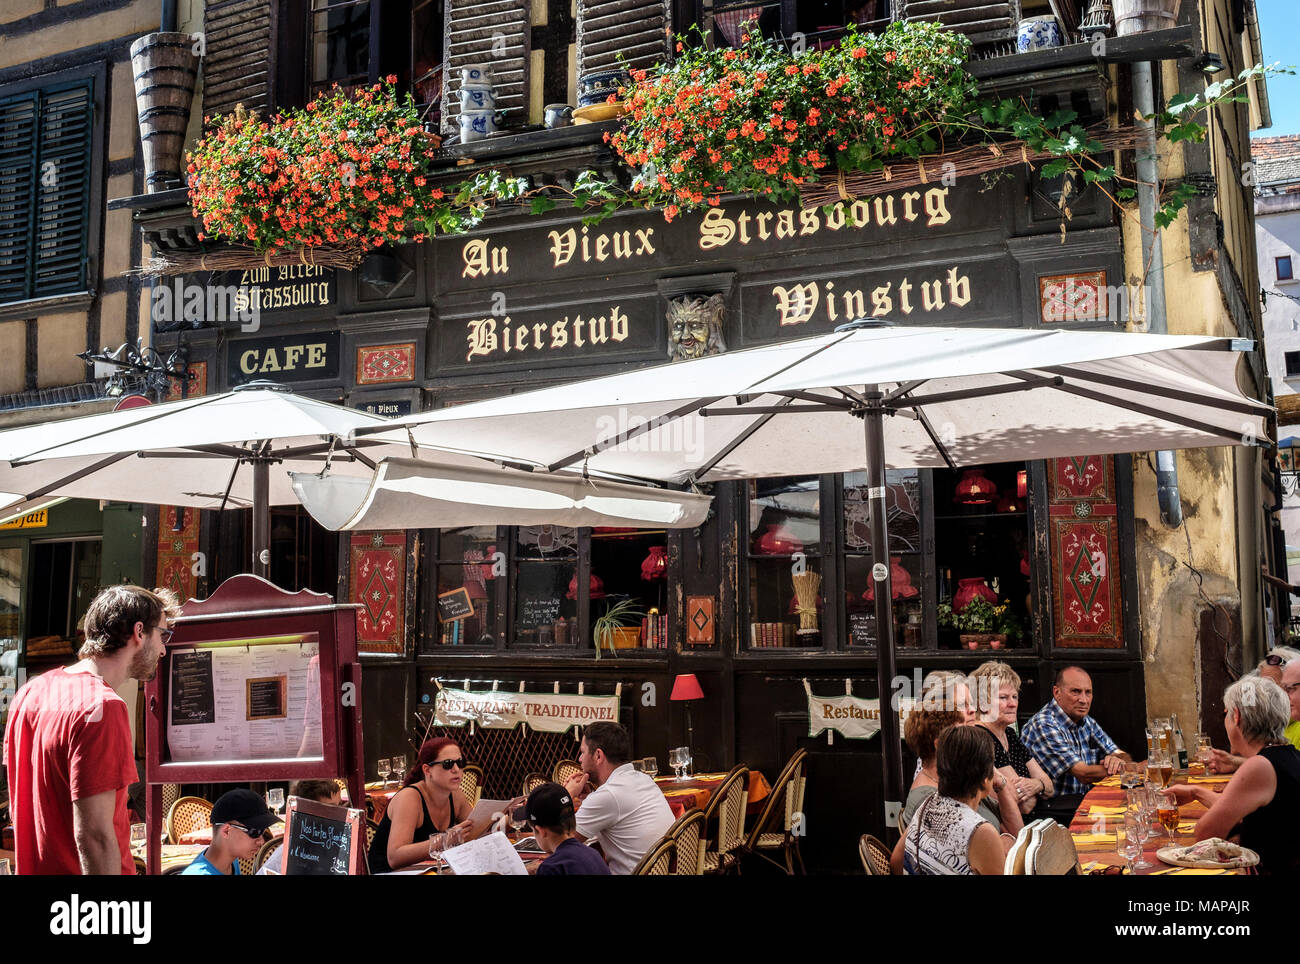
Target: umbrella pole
891 747
262 518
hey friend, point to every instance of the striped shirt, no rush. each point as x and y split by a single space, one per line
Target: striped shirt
1058 743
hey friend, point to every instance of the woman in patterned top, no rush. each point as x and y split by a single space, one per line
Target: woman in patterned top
997 691
946 835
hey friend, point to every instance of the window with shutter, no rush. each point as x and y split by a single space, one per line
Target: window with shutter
45 145
639 30
495 33
237 63
985 22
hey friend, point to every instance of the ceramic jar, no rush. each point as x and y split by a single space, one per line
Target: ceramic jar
558 115
1038 33
476 75
477 97
597 86
476 125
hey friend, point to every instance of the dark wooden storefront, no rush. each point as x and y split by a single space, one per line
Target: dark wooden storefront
527 302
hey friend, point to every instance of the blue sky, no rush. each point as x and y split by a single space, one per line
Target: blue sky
1279 30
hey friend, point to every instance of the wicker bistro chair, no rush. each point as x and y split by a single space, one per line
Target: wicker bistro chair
247 866
187 815
726 811
874 855
658 861
264 854
471 783
140 869
688 834
563 770
780 825
532 782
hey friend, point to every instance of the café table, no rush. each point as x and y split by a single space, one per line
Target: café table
379 795
1102 810
696 791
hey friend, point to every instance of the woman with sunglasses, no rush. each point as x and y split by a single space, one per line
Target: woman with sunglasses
430 802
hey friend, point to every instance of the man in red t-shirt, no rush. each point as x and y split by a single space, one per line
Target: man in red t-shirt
68 745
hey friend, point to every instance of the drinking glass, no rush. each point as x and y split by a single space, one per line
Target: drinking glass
675 761
1144 830
382 768
650 766
687 760
1204 750
1167 811
399 767
275 798
1128 839
1131 777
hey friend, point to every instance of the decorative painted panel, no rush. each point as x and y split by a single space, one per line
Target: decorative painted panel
377 580
377 364
177 545
198 383
1072 297
1084 523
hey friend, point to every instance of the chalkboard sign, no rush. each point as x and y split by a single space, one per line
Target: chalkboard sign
454 605
540 593
321 841
266 698
862 629
192 689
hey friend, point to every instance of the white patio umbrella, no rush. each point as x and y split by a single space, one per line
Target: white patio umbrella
872 396
210 452
411 494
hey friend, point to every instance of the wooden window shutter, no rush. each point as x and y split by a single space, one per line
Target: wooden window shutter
495 33
984 21
236 67
640 30
63 191
17 187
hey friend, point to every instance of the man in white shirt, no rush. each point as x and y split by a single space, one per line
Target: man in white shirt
626 813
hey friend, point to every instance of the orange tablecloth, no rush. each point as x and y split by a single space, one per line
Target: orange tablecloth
684 795
379 799
1094 830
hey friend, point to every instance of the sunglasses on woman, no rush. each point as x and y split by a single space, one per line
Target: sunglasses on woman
448 764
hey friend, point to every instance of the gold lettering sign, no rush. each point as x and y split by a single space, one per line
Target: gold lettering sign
32 520
798 304
287 359
490 337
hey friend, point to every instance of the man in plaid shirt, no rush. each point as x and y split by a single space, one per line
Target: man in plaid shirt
1071 746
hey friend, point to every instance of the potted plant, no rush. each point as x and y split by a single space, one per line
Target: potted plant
981 623
619 627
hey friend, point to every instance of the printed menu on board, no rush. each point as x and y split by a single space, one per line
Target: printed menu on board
256 698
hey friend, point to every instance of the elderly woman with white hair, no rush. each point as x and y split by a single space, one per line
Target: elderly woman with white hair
1259 805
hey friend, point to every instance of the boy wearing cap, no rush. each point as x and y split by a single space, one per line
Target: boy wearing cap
238 819
550 810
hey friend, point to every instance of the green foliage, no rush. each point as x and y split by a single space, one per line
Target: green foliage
980 616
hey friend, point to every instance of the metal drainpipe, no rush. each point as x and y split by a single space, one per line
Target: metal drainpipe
168 20
1171 506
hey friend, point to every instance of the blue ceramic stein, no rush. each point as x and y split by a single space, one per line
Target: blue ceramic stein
1038 33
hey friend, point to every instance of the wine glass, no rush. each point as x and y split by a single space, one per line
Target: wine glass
650 766
382 768
1131 777
399 767
438 842
687 760
675 761
1143 829
1204 751
275 798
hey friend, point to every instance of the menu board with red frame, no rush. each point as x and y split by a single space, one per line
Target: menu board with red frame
257 684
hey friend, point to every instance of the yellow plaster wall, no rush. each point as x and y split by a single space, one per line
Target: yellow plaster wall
135 20
125 127
112 320
12 10
13 348
58 339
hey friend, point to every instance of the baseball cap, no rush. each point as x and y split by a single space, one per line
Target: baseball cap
547 806
243 807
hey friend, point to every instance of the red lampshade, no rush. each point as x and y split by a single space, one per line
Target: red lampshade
686 687
1022 484
776 540
597 587
975 489
655 565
